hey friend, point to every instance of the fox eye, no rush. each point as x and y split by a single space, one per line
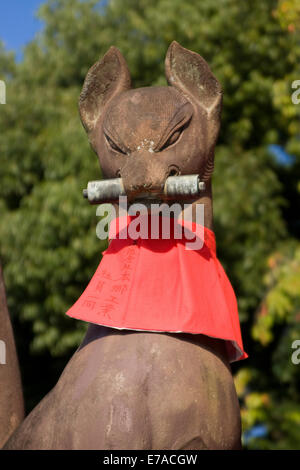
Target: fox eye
113 145
172 139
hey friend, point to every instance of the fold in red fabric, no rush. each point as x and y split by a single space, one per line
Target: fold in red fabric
161 285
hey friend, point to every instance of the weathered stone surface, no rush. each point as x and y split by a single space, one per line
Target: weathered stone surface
11 397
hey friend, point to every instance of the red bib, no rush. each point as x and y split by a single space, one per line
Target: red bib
161 285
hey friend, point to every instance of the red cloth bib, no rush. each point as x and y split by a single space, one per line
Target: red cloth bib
160 285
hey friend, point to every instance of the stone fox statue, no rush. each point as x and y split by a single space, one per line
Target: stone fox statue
153 371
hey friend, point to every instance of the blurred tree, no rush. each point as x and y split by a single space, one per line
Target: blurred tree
272 397
288 13
48 242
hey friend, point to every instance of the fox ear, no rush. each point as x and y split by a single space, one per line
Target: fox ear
190 73
106 78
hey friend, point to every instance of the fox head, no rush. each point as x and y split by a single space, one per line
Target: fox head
146 134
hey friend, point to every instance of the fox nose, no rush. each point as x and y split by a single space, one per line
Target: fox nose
143 171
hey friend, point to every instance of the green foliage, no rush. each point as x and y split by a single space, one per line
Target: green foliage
288 13
48 241
247 218
282 301
276 325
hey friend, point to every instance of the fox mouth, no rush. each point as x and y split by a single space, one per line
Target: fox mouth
187 187
151 191
141 188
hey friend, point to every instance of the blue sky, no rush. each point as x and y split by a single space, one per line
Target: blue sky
18 23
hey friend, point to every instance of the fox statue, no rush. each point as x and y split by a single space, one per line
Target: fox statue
129 386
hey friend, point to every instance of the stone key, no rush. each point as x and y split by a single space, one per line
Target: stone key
185 186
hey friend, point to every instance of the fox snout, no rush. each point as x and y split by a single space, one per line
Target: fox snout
144 171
